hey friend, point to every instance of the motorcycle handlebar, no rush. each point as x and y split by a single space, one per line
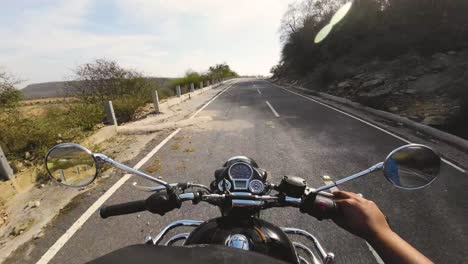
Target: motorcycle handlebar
319 205
124 208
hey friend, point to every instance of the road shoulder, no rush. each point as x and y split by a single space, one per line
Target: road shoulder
449 152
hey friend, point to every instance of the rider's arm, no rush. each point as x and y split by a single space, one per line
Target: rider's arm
363 218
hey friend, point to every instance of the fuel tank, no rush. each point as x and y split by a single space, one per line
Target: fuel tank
263 237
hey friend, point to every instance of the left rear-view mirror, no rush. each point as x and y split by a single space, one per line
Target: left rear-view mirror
71 165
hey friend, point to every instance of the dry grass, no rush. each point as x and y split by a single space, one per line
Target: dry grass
189 149
154 166
175 146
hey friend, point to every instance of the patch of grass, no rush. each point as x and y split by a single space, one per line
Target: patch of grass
189 149
154 166
175 146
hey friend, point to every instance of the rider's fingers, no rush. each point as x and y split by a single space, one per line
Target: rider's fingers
344 195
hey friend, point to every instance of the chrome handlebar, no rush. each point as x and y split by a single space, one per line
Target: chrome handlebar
239 199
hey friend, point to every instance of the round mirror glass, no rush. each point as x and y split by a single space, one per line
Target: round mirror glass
71 165
412 166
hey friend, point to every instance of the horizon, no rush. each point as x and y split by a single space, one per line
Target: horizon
47 39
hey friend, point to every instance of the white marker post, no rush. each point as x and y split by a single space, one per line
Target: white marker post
178 91
5 170
155 101
192 88
110 113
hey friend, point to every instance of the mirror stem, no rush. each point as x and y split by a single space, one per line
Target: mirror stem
376 167
106 159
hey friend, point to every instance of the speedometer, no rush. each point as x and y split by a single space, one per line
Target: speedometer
240 171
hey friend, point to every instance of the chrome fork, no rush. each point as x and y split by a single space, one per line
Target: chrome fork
326 257
155 240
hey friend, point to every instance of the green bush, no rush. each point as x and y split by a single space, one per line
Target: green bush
85 115
20 134
126 106
9 96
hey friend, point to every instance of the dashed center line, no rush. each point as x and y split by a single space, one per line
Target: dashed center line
272 109
258 91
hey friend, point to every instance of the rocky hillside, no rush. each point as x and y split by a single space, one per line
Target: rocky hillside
432 90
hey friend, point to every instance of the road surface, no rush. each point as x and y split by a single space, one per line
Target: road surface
286 134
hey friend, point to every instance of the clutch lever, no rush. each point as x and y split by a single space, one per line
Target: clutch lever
152 188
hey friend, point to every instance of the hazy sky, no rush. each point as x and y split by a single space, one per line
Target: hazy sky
42 40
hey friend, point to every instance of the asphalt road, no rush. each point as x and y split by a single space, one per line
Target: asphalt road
305 139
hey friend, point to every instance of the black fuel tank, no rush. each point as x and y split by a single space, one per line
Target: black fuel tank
264 237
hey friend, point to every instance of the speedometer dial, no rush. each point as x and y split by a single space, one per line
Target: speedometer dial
240 171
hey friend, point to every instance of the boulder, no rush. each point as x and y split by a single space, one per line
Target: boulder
430 83
345 84
440 61
359 76
393 109
411 91
372 83
435 120
410 78
381 91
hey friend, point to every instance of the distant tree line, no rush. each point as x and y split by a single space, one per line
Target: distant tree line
372 29
214 73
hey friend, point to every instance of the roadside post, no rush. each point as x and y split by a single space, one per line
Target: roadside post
111 119
192 88
6 173
201 85
178 90
208 83
155 100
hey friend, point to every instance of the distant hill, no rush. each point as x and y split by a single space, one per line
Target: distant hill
57 89
44 90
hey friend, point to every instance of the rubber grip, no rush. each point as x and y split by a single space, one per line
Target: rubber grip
320 206
123 208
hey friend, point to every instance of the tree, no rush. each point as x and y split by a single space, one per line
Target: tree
9 95
220 71
104 80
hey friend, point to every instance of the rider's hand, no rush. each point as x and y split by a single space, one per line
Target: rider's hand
359 216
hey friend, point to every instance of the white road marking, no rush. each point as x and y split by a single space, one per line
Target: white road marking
258 91
367 123
54 249
272 109
376 255
327 180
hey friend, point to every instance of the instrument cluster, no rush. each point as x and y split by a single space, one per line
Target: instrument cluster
241 176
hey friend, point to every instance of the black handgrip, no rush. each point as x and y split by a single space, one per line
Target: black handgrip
123 208
320 206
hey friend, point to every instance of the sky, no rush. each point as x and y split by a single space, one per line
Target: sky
44 40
